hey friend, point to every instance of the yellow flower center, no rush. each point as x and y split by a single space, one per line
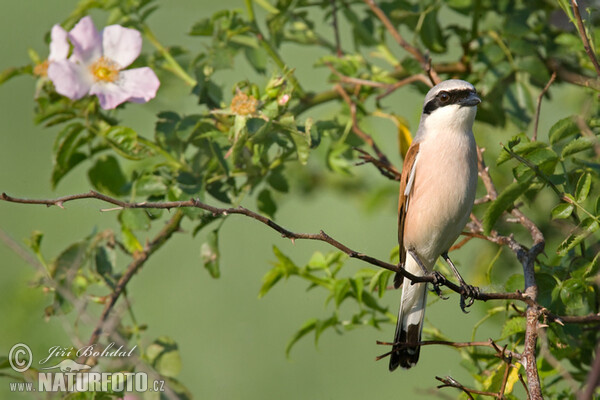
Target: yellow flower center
104 70
243 104
41 69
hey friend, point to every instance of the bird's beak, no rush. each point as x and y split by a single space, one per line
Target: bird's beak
470 101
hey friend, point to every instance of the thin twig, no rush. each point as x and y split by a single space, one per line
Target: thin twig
415 52
404 82
139 260
539 105
553 361
502 353
593 378
336 32
586 131
381 166
356 81
525 386
368 139
451 382
584 38
504 381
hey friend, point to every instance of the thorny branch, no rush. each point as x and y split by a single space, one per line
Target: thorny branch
500 352
321 236
539 105
415 52
451 382
586 42
139 260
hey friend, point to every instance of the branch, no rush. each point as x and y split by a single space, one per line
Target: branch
321 236
336 31
415 52
593 378
139 260
500 352
584 38
451 382
365 136
539 106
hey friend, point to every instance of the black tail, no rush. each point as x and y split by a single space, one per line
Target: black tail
403 356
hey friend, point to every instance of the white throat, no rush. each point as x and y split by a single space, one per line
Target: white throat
452 117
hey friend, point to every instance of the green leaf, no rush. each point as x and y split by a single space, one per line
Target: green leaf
107 177
131 243
66 156
380 280
521 149
277 181
204 27
163 355
125 142
562 211
503 202
150 185
514 283
583 187
285 263
269 280
135 219
431 34
340 290
10 73
357 285
209 251
571 293
308 326
562 129
105 261
257 57
577 145
35 242
63 269
265 203
322 325
513 325
267 6
587 227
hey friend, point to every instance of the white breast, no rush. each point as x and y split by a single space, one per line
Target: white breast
444 184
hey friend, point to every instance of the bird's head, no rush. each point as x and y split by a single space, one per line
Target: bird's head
450 104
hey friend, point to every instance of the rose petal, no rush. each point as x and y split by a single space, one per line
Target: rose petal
109 94
140 83
122 45
87 43
59 47
69 79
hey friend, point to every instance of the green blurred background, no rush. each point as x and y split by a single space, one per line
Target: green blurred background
232 344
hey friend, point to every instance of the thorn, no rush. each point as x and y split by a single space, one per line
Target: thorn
109 209
60 205
225 213
293 240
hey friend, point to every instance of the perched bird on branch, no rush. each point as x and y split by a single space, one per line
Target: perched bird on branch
437 190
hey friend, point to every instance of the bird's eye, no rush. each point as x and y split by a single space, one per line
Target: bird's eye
444 97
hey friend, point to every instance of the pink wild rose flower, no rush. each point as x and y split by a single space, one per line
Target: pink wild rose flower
96 66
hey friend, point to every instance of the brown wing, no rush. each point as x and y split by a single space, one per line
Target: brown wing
409 162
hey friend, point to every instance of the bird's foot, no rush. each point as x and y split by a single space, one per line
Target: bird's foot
438 280
468 295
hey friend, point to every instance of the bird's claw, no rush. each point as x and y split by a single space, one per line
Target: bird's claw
438 280
468 295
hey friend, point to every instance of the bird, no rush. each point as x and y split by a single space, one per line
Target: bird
437 191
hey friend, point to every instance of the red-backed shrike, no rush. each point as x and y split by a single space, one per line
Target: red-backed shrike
437 190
